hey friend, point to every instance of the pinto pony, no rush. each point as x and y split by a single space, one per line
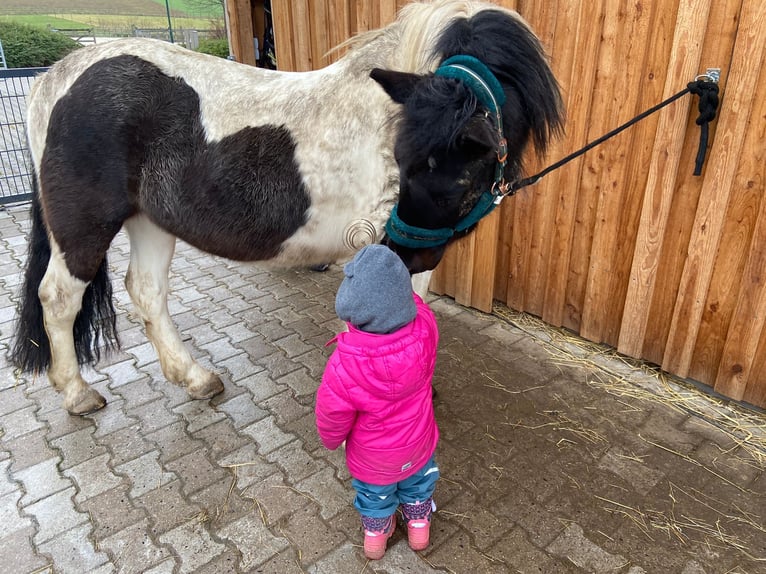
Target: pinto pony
410 138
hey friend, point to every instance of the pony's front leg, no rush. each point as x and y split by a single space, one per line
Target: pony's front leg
61 296
420 282
151 251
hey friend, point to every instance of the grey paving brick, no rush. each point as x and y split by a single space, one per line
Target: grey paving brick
7 484
93 477
41 480
29 449
276 498
242 410
134 549
112 419
247 465
11 520
198 415
221 438
294 461
193 544
73 552
145 473
257 542
55 514
111 511
196 471
19 423
267 434
153 415
168 507
17 553
239 367
123 372
325 487
137 392
261 385
13 398
310 534
285 407
301 382
126 443
574 546
77 447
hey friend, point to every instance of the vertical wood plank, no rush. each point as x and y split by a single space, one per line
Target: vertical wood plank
533 244
485 262
361 16
621 167
684 63
241 31
301 38
563 183
319 33
283 34
735 372
721 30
339 27
724 157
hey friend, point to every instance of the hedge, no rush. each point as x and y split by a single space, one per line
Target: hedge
30 47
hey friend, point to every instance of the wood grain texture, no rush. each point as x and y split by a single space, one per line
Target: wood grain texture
661 181
725 155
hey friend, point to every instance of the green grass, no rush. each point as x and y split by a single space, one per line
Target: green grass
43 21
111 24
184 6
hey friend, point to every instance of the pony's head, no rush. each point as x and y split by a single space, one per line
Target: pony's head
463 130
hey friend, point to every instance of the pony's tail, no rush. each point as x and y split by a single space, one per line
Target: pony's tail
95 325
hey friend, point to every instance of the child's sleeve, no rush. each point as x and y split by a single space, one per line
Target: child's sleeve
335 415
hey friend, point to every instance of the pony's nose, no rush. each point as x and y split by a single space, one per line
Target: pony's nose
416 260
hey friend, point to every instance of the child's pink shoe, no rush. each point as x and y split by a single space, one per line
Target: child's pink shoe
377 531
417 516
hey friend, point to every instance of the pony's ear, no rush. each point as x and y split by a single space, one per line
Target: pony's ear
479 138
398 85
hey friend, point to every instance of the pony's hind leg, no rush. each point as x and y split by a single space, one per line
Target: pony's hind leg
151 251
61 296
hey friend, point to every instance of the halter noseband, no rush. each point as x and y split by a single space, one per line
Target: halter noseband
487 89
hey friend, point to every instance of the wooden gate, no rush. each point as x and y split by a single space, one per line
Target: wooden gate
624 245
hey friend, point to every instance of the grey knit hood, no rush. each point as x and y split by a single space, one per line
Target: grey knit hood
376 294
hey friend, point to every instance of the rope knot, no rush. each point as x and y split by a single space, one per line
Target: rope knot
708 99
708 104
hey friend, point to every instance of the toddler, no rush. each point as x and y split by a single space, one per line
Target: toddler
376 395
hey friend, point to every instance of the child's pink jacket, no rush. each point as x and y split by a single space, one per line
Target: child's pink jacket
376 395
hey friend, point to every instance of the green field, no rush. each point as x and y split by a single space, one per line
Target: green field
110 17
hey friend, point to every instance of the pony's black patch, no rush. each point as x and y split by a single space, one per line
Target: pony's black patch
128 138
252 174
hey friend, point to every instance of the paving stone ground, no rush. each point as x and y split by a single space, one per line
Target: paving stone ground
550 464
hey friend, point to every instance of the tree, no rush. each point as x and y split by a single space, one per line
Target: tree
207 6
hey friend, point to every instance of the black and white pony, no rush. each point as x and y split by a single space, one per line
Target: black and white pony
391 143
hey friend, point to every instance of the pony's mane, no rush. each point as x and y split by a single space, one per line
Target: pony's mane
416 31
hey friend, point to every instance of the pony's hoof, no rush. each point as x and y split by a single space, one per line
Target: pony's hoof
86 402
207 389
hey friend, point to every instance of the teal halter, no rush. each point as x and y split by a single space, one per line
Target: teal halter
487 89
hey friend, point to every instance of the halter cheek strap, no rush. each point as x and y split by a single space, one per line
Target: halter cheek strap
487 89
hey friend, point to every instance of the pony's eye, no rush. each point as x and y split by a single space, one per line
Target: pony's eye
431 162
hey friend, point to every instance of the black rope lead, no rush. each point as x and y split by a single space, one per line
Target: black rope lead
705 88
708 104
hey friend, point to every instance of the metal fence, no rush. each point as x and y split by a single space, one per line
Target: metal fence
15 174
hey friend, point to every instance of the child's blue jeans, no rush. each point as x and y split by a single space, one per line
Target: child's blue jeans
378 501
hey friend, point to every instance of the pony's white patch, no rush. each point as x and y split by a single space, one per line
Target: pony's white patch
61 298
151 251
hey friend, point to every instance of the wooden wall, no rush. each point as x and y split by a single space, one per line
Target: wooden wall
624 245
